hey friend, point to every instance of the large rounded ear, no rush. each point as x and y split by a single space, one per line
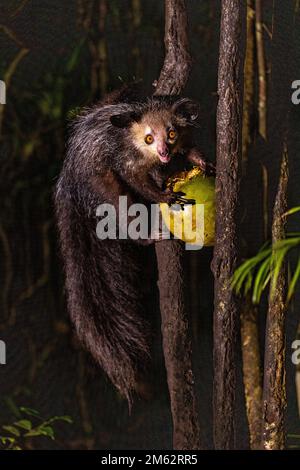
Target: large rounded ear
186 109
124 119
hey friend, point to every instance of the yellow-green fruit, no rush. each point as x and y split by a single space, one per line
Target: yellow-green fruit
201 188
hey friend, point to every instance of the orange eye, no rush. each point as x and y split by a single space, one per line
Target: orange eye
149 139
172 134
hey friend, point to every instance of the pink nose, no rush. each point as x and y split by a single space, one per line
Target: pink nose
163 152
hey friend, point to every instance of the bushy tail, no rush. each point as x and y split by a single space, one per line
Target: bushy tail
102 281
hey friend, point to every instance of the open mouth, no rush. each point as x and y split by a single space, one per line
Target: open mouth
165 158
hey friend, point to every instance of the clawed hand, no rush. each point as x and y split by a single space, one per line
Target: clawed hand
171 197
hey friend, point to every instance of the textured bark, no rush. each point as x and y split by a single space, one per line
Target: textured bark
274 392
262 72
229 149
252 373
249 83
177 347
177 64
175 330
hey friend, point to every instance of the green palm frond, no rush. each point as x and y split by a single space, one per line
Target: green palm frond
261 279
244 274
293 210
293 282
263 269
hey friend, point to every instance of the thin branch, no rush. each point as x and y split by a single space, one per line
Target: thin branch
19 8
11 34
262 80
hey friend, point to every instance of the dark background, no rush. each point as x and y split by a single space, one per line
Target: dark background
60 71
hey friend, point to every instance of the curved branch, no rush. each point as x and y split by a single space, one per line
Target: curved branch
177 64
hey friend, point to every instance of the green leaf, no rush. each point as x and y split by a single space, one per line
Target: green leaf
24 424
6 439
73 61
246 269
292 211
260 279
47 431
242 272
294 281
29 411
248 284
66 418
289 242
11 429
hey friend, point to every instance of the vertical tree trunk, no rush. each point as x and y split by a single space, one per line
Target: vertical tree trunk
175 330
229 149
274 392
252 373
282 69
177 346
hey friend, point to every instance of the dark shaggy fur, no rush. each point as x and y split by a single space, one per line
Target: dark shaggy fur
103 278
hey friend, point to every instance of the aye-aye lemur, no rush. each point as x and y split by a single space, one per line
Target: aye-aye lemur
118 147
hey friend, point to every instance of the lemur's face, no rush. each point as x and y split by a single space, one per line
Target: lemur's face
157 135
